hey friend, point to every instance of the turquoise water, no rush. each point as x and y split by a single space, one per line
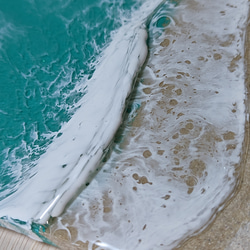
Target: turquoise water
47 51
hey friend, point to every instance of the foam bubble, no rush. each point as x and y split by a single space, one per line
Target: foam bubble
72 156
181 156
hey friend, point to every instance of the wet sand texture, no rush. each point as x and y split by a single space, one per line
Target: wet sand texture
181 156
231 228
172 93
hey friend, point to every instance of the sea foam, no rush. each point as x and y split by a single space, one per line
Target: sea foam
79 146
180 159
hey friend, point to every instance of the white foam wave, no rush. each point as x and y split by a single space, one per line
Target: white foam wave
81 143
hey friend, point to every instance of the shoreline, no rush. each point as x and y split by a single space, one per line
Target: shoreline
203 238
229 230
231 227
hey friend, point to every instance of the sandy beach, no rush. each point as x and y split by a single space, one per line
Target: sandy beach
230 227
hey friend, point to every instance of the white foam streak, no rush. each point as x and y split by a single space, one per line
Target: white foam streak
73 156
180 159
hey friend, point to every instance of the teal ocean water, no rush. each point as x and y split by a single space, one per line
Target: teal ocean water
67 68
47 51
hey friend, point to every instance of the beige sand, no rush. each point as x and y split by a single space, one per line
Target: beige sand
230 229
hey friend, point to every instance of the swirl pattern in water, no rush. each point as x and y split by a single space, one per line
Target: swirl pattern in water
177 156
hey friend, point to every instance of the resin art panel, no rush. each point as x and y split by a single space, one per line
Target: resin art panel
122 122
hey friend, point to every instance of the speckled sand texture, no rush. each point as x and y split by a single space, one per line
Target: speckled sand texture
229 230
